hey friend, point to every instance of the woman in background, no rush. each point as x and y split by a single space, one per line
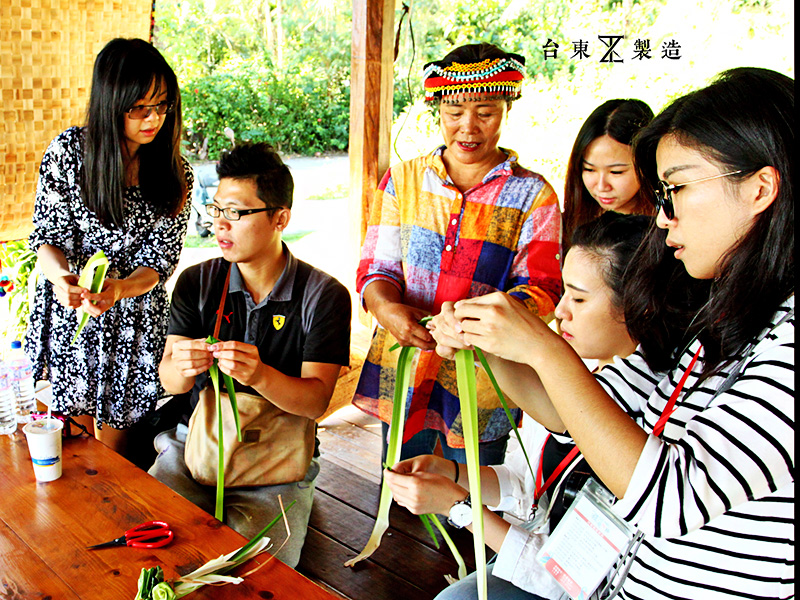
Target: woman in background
118 184
600 172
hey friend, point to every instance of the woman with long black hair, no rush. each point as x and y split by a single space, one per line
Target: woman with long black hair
119 185
600 173
701 460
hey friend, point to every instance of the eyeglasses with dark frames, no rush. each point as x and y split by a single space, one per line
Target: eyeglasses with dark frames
142 111
664 200
234 214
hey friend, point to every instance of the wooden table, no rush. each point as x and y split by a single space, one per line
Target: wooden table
46 527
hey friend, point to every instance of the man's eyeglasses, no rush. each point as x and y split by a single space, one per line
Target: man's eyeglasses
664 193
143 110
234 214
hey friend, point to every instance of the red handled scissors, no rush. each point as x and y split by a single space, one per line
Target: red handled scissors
153 534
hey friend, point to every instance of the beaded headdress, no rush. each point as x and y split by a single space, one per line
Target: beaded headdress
490 79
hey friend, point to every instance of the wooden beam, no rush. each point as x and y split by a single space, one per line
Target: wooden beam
371 83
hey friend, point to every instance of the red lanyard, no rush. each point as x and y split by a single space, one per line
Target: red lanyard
670 407
657 430
540 489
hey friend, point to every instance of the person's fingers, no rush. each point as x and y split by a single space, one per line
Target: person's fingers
193 371
94 310
423 343
403 466
447 352
191 345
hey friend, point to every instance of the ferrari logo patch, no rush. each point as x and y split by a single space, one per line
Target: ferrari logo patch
278 321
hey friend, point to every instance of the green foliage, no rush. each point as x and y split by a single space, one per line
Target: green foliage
272 71
297 114
18 264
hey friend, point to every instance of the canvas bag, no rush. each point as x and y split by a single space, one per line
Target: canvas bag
276 447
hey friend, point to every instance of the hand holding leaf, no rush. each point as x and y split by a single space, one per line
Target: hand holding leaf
239 360
191 357
92 278
67 291
97 303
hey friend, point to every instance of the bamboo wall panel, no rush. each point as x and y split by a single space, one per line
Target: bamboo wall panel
47 50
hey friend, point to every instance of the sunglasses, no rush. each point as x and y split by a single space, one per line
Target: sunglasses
143 110
234 214
664 200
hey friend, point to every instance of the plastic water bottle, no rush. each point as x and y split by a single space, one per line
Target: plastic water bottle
21 375
8 422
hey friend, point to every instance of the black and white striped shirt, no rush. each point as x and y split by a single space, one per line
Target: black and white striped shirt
714 495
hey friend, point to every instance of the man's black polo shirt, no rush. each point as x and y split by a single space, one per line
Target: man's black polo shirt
306 317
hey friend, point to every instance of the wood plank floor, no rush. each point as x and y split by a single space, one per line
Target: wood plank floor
351 439
407 564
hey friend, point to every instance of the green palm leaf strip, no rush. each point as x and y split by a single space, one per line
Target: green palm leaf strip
467 390
485 365
462 567
236 558
427 521
92 277
214 373
468 396
403 377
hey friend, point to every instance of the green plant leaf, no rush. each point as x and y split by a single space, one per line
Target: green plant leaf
426 521
468 396
91 278
462 567
218 510
257 537
229 387
402 379
487 368
214 374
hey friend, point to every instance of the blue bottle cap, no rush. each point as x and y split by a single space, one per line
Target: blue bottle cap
16 344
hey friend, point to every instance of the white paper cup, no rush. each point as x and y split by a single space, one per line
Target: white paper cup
44 445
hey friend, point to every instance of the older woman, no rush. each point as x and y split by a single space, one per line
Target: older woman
460 222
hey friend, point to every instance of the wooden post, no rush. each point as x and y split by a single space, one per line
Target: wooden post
371 82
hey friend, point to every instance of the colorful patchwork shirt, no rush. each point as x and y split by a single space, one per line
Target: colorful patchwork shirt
437 244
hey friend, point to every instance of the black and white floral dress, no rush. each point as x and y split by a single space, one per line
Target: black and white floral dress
111 371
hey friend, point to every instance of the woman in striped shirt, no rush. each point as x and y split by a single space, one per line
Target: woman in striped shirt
702 460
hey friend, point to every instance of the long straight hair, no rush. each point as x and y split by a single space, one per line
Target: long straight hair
124 71
743 121
621 120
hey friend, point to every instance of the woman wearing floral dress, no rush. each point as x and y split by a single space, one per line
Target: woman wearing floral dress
118 185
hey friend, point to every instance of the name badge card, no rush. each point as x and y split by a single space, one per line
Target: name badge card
586 543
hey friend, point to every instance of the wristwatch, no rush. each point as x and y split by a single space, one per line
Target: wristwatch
460 513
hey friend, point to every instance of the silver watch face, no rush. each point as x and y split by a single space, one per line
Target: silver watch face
460 514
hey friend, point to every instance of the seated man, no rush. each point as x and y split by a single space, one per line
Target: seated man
285 331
